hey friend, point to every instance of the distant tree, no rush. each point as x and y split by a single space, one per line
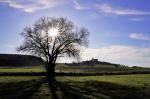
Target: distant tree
50 38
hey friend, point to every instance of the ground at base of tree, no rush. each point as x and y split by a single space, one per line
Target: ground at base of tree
69 87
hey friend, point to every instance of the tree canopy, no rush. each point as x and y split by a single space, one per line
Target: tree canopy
52 37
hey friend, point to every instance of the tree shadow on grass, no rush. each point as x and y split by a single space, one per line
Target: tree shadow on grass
71 90
20 90
100 90
53 87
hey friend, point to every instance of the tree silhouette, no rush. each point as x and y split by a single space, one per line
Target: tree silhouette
50 38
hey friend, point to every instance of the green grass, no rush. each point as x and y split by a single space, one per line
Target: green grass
96 69
21 69
73 69
79 87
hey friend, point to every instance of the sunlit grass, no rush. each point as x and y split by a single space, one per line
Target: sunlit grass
70 87
22 69
73 69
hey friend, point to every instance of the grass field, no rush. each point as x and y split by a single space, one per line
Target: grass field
69 87
73 69
21 69
95 69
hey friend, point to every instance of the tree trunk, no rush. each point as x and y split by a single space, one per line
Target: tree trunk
51 79
50 70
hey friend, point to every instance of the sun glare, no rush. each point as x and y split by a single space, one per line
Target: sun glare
53 32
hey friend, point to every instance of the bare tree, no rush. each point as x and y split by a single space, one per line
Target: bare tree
52 37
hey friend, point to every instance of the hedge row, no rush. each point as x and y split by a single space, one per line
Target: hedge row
72 74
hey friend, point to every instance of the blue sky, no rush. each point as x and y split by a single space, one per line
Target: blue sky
119 30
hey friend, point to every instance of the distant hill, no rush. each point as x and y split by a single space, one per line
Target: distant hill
19 60
94 62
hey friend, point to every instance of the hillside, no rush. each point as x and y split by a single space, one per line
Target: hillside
19 60
96 66
95 62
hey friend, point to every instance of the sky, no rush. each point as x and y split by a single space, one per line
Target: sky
119 29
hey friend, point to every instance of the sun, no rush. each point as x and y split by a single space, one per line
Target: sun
53 32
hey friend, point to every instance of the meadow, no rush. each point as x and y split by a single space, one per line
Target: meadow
77 87
133 86
73 69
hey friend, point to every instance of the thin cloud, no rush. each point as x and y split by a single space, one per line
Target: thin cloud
32 5
136 19
139 36
107 9
127 55
79 6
